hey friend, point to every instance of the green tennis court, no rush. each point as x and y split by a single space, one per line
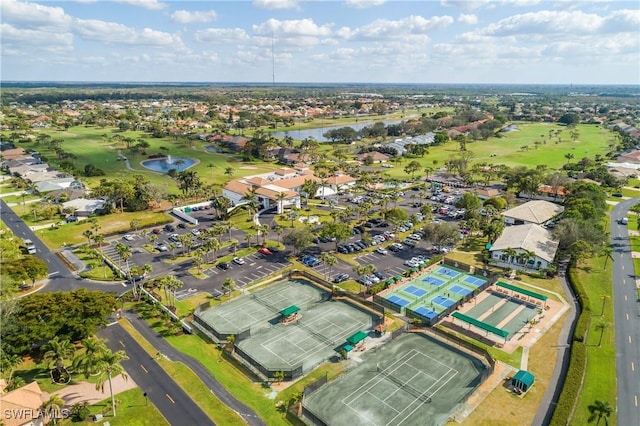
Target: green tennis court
414 380
500 307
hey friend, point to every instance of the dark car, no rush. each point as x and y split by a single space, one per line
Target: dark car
182 225
169 228
340 278
223 265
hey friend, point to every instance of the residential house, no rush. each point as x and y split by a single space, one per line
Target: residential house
235 143
527 246
376 157
56 184
538 212
84 207
21 407
486 193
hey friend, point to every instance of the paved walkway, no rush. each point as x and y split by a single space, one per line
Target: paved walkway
85 391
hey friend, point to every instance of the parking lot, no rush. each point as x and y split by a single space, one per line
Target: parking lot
256 266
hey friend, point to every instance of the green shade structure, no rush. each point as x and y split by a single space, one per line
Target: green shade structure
356 338
290 310
397 278
481 325
523 380
522 291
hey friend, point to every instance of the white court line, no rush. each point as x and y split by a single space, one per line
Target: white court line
383 401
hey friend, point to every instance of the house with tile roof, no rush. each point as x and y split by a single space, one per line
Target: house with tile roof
538 212
21 407
532 247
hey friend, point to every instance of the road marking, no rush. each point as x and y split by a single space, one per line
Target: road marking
145 370
170 399
633 366
258 267
251 264
123 284
622 267
635 400
629 339
54 272
625 297
121 344
627 315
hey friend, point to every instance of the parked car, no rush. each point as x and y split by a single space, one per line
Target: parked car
239 261
169 228
162 247
157 231
128 237
381 250
264 250
340 278
223 265
70 219
182 225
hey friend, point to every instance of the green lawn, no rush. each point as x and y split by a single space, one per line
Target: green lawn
600 377
592 140
132 409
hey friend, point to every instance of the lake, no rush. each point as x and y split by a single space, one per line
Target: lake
317 132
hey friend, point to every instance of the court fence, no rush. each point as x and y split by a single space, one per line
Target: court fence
264 372
456 341
313 386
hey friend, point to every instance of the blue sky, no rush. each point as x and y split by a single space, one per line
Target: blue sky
369 41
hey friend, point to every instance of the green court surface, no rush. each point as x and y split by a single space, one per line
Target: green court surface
255 320
484 305
498 314
414 380
256 310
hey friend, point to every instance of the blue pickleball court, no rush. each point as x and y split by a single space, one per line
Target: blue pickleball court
443 301
474 281
460 290
447 272
399 301
424 312
416 291
433 280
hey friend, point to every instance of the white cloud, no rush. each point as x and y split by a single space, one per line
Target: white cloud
465 4
114 33
17 39
545 22
186 17
221 35
146 4
362 4
276 4
382 29
468 19
33 15
293 28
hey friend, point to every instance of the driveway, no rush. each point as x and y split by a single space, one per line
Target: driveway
85 391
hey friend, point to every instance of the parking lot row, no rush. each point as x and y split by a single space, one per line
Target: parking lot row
248 272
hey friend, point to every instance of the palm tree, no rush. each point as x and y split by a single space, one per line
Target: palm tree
251 198
57 351
52 407
110 366
604 298
330 261
229 285
87 362
607 253
228 172
511 254
599 410
280 198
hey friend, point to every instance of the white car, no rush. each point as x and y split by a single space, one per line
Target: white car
381 250
162 247
238 261
128 237
411 263
195 232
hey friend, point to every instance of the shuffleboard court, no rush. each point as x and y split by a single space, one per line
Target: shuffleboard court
484 305
414 380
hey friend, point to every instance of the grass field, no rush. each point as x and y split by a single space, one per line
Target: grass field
592 140
600 377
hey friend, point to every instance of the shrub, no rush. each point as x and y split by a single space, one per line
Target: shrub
571 387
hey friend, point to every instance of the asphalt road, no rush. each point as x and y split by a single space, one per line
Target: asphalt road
626 319
174 404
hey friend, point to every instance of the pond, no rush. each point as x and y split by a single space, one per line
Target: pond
165 164
317 132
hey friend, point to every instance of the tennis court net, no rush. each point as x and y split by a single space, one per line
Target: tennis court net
420 396
265 303
319 336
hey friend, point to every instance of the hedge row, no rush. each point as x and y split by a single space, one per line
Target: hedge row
578 357
572 383
582 324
